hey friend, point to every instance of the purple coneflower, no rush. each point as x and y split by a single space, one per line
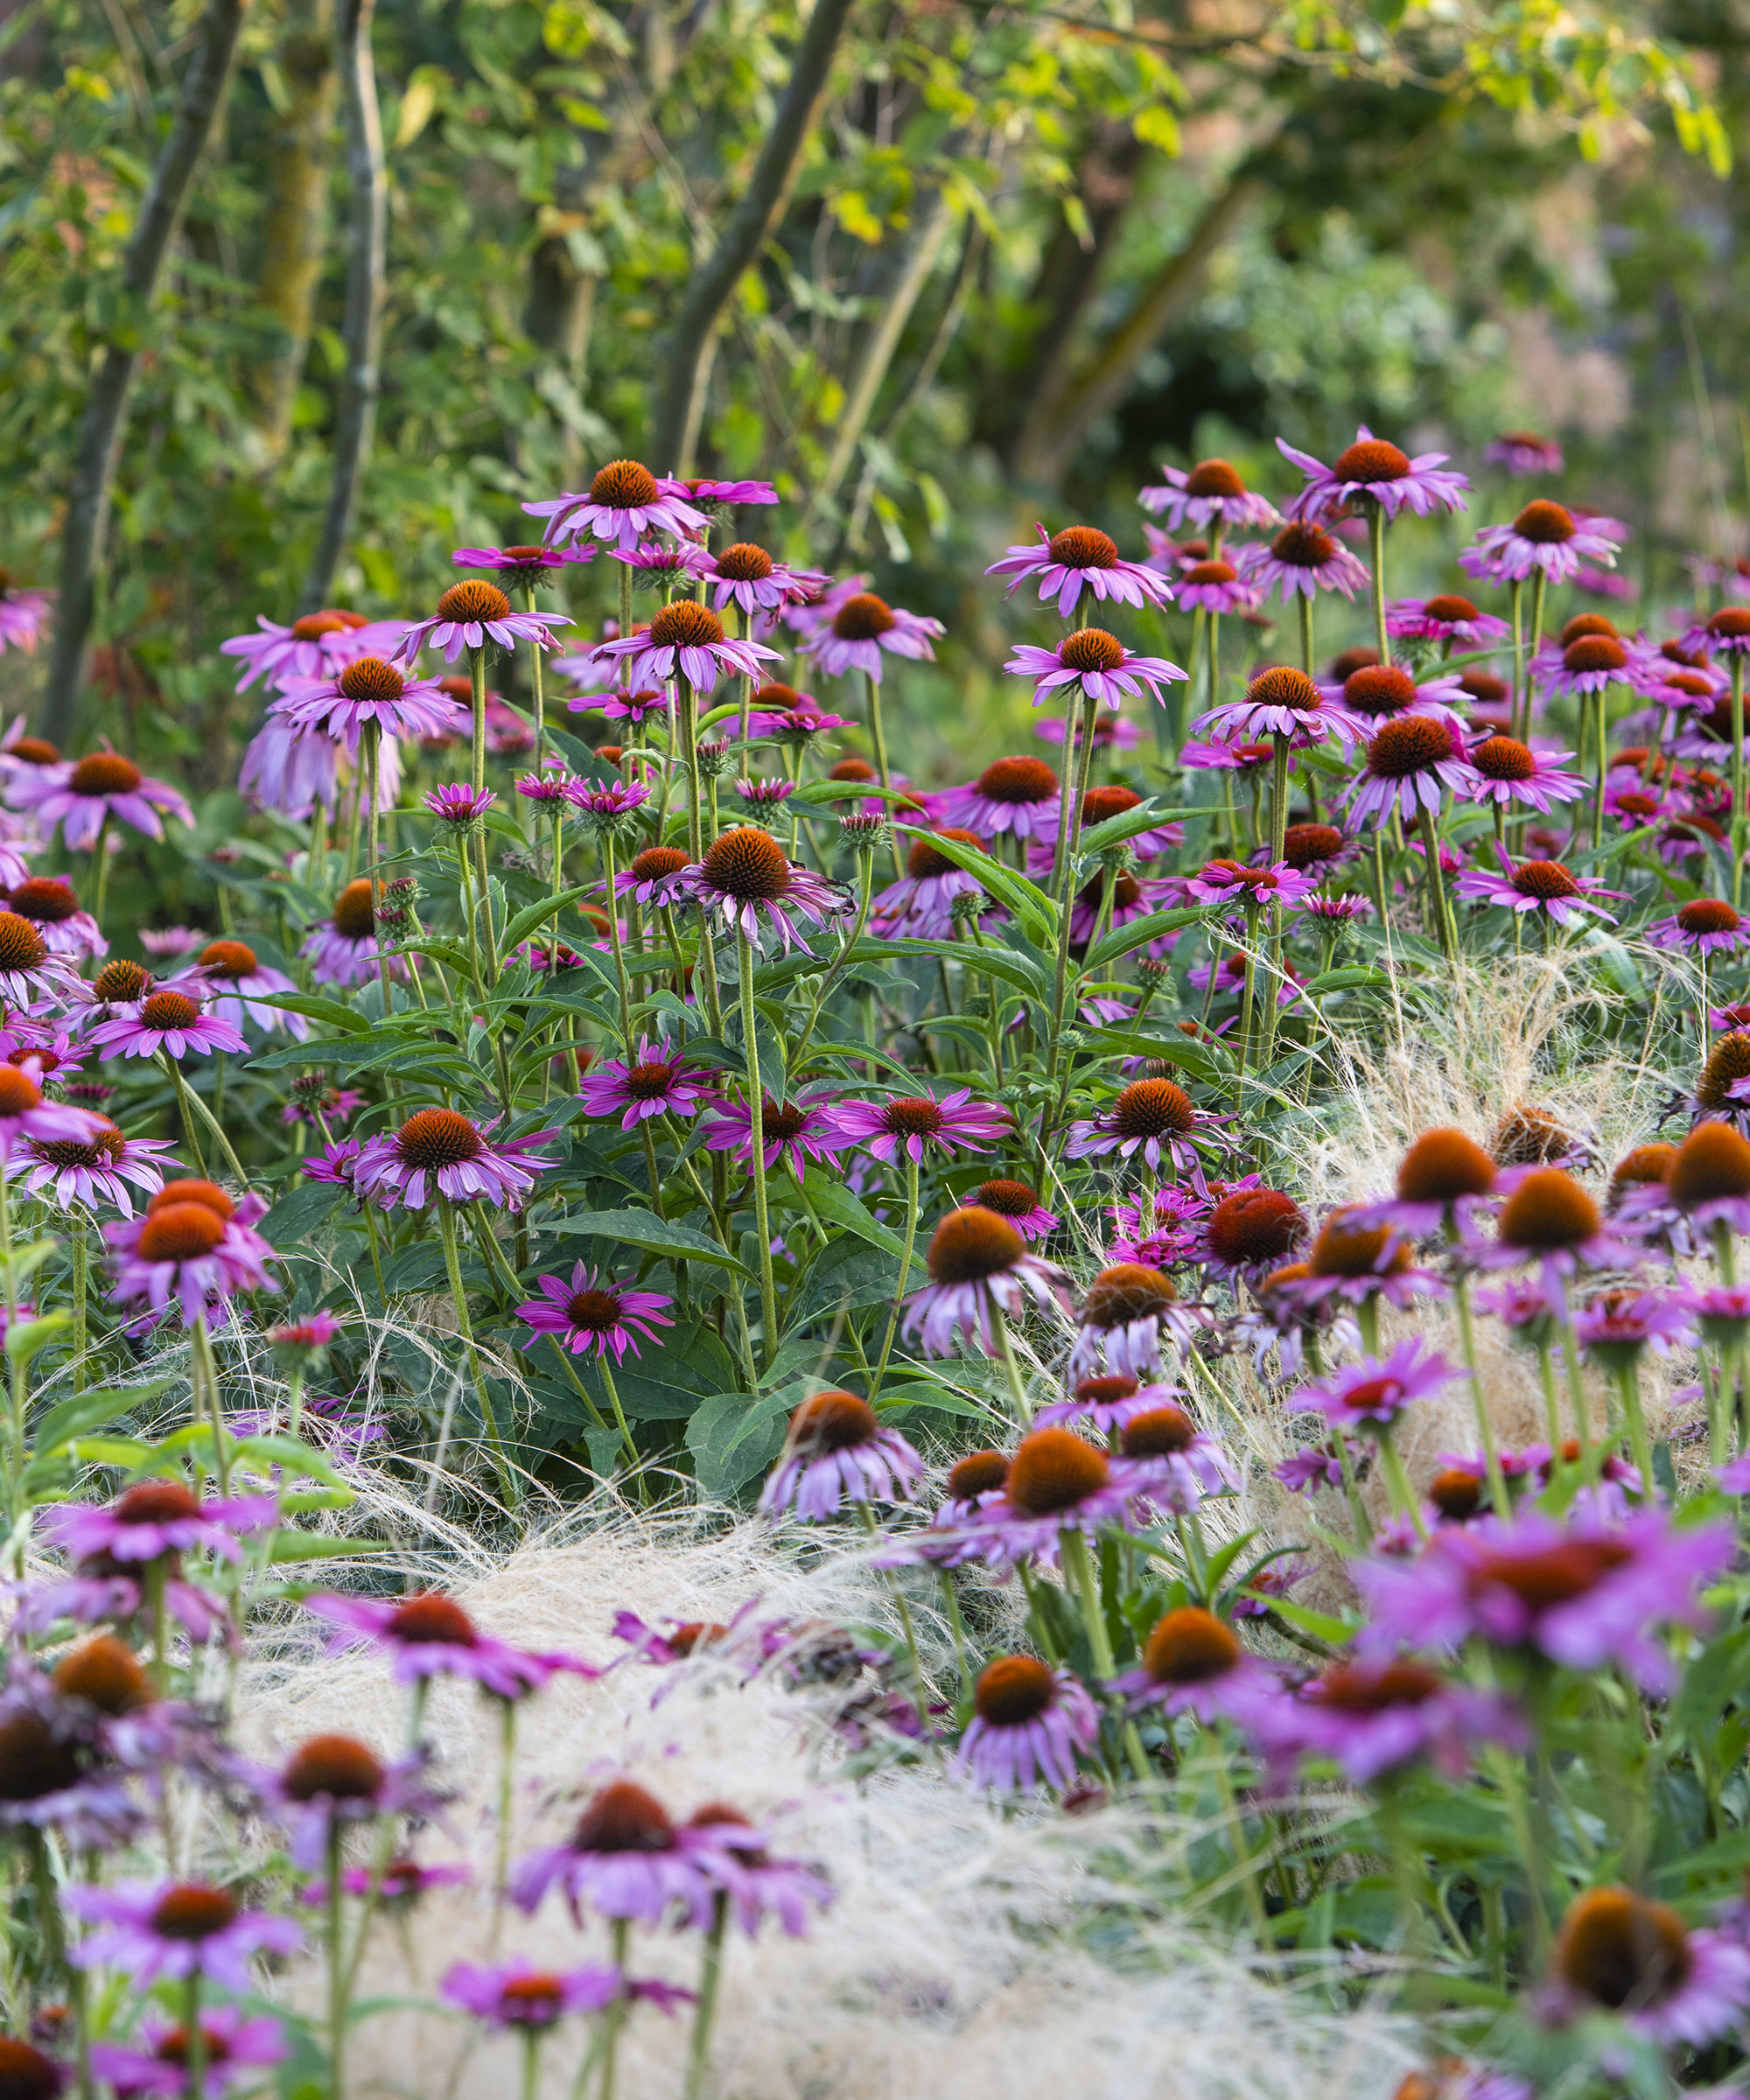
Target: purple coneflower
1617 1327
1445 618
1704 1188
1217 587
1374 1716
194 1246
1225 882
911 1124
1588 664
685 639
1507 771
920 903
1017 1202
1374 471
1153 1116
367 692
1354 1262
290 772
1193 1662
1211 492
332 1781
590 1312
437 1152
1170 1461
175 1931
1028 1722
1281 703
656 1082
1103 1403
48 902
1524 454
29 970
104 1168
1081 559
522 566
22 614
800 1129
430 1635
1707 926
1544 537
26 1118
1551 1219
342 949
835 1452
241 983
654 876
757 1886
1019 796
1725 632
863 629
1095 664
745 576
1302 559
312 647
979 1271
625 1859
235 2046
154 1519
1538 885
471 614
1127 1310
624 503
1411 766
528 2000
81 798
1442 1180
1250 1232
170 1021
1673 1986
458 805
1056 1481
1376 1392
745 880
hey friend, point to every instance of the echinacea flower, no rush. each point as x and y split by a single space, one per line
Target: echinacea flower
1216 587
1129 1311
1193 1662
747 883
1095 663
745 576
290 771
864 629
1704 1189
1672 1984
528 2000
471 614
153 1520
29 969
920 905
1210 493
242 983
1017 1202
102 1168
1028 1722
1103 1403
1170 1461
522 566
430 1635
1374 1390
26 1118
331 1781
979 1272
48 902
1725 632
800 1129
625 1859
168 1021
1411 766
757 1886
1076 561
1707 926
175 1931
1056 1481
342 949
22 614
314 646
591 1312
1226 882
1538 885
624 504
1250 1232
1544 537
836 1451
1588 664
1281 703
1617 1329
82 798
1524 454
438 1153
368 692
1302 560
235 2046
1153 1117
656 1082
1445 618
1371 1717
685 639
654 876
1507 770
1550 1220
912 1123
1354 1261
1373 470
1442 1180
1021 797
1583 1594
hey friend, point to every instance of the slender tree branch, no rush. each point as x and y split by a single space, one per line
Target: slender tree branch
102 428
295 231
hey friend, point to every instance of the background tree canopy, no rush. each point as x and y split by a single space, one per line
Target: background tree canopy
1001 260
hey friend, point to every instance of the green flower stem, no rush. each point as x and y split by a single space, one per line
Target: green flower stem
452 1266
1602 707
1247 995
607 842
1237 1837
196 2060
507 1773
206 1384
1552 1409
1012 1370
531 2063
686 727
1069 836
950 1597
1437 885
1628 1385
1376 548
1358 1514
81 1290
190 1138
1738 781
583 1392
614 2018
756 1107
620 1422
99 869
879 737
337 1964
1497 1479
185 1096
866 868
1403 1501
904 1272
1571 1359
477 679
469 919
536 686
1078 1568
1306 633
369 739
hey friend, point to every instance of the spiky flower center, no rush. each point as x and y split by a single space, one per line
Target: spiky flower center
1456 1494
1689 683
1371 459
1091 649
1409 744
1618 1949
851 769
1449 608
1545 523
1302 545
1355 1251
1255 1225
1127 1292
1018 781
972 1243
371 678
1484 687
684 624
1365 1688
651 1080
1081 547
1212 572
1105 1388
1153 1107
912 1116
187 1189
171 1011
1527 1136
33 1759
744 563
355 917
1593 653
775 697
1544 879
782 1121
44 900
593 1312
1705 915
1712 1162
1008 1199
312 626
1158 1432
436 1137
623 1817
1644 1164
21 946
978 1473
229 959
1500 758
1281 686
657 863
339 1767
1727 1061
1379 689
1731 623
19 1092
1013 1690
1556 1575
474 602
26 2074
1190 1645
433 1617
863 617
183 1232
106 1674
104 773
1303 845
1549 1210
1442 1165
624 485
748 863
156 1502
1213 478
833 1421
192 1911
107 1149
35 751
1053 1470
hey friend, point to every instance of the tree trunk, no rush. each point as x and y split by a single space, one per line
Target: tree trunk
1064 412
296 228
101 428
362 327
750 224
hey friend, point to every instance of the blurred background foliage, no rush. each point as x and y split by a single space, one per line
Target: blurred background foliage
1029 252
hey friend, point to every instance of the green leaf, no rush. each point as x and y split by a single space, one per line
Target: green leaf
26 1337
310 1545
1114 831
1122 939
1354 976
733 1436
836 1203
314 1007
995 961
86 1412
1202 1061
1026 899
289 1455
531 915
1321 1624
297 1213
643 1229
